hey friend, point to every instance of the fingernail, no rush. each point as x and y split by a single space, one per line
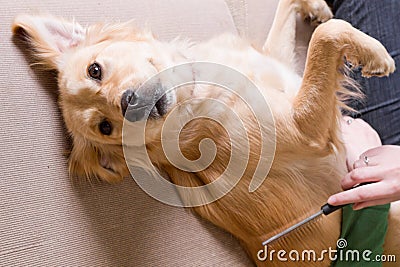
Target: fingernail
332 200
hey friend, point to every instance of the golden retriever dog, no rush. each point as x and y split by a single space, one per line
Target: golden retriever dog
101 67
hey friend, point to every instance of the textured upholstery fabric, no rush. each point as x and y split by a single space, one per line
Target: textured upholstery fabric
45 219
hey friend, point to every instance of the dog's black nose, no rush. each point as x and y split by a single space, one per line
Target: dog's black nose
129 97
147 101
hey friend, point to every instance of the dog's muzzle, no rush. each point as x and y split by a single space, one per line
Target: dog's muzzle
148 101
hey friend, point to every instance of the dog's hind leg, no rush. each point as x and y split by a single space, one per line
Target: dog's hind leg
280 43
315 109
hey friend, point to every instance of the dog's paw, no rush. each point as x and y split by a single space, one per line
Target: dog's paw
371 56
380 64
315 11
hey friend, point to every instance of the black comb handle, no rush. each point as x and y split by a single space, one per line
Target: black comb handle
328 208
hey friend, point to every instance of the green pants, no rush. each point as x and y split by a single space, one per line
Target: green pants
362 237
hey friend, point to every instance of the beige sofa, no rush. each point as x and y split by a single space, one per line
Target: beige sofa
45 219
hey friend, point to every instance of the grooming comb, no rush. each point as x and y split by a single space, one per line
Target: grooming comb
325 210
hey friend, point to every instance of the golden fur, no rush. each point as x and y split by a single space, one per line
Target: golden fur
309 159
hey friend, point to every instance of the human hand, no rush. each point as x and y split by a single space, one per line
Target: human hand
358 136
382 167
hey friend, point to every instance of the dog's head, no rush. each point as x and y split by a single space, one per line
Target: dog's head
99 70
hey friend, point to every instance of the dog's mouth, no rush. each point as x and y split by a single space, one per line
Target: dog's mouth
106 164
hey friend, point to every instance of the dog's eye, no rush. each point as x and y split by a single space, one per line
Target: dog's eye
105 127
94 71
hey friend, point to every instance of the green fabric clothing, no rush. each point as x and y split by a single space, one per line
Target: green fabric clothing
362 230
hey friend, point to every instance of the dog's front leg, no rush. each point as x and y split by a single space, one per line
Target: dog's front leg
315 109
280 43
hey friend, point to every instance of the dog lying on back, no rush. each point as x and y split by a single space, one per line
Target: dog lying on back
100 69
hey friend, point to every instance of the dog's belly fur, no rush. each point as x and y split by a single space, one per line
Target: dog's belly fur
304 180
272 77
298 184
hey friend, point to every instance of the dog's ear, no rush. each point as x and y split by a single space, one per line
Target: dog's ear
49 36
88 161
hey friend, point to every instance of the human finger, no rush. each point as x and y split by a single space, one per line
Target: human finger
364 161
361 175
363 193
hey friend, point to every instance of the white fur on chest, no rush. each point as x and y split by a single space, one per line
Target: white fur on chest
272 78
